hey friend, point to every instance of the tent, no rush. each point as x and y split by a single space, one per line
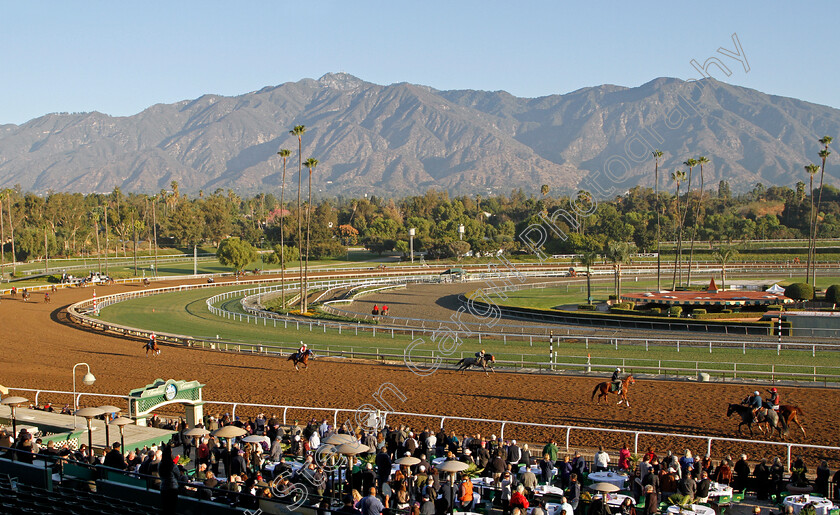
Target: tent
775 289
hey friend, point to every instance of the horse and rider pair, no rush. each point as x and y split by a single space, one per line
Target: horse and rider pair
753 410
152 345
615 385
481 359
301 357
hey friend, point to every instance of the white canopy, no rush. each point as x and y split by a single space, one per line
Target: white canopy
775 289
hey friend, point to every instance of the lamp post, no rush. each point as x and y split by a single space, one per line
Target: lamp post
89 414
196 433
107 410
121 422
461 232
89 379
411 233
229 433
12 403
452 467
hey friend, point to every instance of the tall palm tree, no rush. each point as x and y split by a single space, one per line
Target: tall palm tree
618 252
677 176
284 153
700 161
310 163
656 155
690 163
298 131
812 170
724 255
824 153
587 259
11 229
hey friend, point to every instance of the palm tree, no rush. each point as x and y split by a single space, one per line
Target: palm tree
677 176
284 153
656 155
690 163
298 131
700 161
724 255
812 170
824 141
587 259
310 164
618 252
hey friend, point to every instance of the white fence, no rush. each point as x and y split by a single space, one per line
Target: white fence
355 416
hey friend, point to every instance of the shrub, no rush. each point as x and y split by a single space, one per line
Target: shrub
832 294
622 305
774 307
675 311
655 311
631 305
726 311
586 307
698 311
800 291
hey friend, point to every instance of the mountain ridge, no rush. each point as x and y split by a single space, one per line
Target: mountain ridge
404 138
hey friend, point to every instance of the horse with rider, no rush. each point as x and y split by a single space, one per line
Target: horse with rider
615 385
301 357
152 345
766 411
481 359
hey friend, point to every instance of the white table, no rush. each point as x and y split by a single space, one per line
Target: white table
720 490
536 470
822 505
694 509
608 477
438 461
615 500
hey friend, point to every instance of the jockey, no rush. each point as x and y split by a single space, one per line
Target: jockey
616 379
774 399
302 349
151 344
480 355
756 404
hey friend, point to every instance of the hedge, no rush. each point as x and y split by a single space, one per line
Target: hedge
723 316
832 294
800 291
586 307
675 311
698 311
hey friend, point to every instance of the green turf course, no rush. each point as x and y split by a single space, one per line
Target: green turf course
186 313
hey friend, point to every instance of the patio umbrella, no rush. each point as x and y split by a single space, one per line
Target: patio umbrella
605 487
452 467
408 460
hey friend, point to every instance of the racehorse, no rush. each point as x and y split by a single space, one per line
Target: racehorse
300 359
485 363
765 416
605 389
152 345
789 413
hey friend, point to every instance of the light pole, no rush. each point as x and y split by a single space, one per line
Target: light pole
89 379
461 232
12 403
411 233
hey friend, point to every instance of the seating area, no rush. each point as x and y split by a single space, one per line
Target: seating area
16 497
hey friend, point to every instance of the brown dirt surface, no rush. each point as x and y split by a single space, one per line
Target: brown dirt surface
40 347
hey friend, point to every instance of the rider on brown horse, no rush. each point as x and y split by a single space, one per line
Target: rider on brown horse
616 381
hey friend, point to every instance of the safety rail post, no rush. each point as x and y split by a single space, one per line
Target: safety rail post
441 421
285 409
502 433
568 433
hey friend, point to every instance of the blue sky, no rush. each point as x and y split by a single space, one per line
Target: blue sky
121 57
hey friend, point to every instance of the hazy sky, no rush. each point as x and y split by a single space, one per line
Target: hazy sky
121 57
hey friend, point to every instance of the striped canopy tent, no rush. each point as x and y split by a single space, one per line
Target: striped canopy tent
710 297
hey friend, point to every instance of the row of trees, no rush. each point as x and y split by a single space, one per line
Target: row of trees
64 224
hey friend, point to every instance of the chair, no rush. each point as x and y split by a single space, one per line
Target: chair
738 497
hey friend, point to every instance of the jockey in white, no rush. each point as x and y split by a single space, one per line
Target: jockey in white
302 349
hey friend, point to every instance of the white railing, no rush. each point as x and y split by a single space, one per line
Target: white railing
382 417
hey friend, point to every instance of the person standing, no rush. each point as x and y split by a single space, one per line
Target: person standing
371 505
602 460
169 482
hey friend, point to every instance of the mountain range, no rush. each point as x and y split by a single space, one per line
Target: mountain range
403 139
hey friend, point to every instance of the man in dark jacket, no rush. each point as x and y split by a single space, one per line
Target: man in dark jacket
762 480
742 474
496 467
687 486
482 456
114 458
514 454
383 466
703 486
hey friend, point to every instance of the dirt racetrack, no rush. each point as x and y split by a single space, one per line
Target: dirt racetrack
39 349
